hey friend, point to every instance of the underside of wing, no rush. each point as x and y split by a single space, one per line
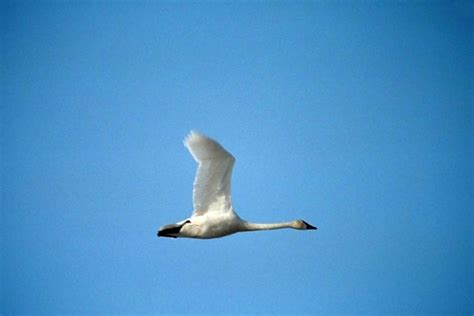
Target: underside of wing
211 192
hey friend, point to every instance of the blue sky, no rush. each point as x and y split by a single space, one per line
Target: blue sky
355 117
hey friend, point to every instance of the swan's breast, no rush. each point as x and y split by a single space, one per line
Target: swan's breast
212 225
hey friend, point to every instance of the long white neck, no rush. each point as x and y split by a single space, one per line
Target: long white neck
254 226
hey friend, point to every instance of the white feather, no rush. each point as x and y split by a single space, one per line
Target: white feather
211 191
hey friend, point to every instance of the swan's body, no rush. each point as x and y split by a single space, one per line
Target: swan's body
213 215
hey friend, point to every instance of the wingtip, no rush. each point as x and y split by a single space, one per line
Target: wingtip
188 137
192 134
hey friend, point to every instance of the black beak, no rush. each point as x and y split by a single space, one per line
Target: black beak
309 226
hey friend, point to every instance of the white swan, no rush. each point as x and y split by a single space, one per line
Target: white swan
213 215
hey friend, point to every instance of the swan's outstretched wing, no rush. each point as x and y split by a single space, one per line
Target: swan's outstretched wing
211 192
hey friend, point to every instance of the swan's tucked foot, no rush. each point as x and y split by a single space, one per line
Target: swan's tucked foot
171 230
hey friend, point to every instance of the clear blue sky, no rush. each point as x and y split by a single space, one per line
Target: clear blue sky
355 117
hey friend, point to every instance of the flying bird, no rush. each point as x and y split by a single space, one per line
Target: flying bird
213 214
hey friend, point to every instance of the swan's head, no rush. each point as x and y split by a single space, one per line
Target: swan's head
301 224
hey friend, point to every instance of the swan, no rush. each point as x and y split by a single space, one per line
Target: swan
213 215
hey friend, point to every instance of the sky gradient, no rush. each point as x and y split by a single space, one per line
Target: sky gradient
355 117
